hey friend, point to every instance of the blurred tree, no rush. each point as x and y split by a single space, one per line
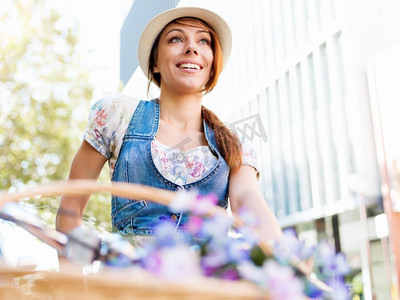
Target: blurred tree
44 102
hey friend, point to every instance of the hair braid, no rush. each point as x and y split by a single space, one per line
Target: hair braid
228 143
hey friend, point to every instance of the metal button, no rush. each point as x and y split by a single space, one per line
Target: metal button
180 157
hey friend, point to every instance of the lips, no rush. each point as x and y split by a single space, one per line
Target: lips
189 66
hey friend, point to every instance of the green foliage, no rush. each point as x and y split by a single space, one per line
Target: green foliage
258 256
44 101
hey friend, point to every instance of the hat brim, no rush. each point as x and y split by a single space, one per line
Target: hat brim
157 24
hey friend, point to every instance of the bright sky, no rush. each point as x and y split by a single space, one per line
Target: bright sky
99 22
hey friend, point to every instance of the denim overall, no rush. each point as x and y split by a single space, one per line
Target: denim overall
135 165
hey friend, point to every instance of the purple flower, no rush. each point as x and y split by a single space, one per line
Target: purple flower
204 204
222 256
194 224
341 291
290 245
217 226
331 264
167 236
209 271
248 236
214 259
249 271
178 262
152 263
281 282
230 274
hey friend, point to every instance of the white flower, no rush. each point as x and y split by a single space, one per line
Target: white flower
179 263
250 271
183 201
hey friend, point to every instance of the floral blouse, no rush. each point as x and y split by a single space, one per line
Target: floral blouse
182 167
108 121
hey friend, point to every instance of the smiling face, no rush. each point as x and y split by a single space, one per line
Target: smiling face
217 64
185 58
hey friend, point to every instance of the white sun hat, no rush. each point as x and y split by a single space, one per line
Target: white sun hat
157 24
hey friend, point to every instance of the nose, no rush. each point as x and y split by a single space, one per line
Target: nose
191 48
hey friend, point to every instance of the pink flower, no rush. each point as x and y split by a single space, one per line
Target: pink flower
204 203
98 134
197 170
194 224
165 161
100 117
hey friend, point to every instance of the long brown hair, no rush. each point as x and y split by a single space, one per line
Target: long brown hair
227 142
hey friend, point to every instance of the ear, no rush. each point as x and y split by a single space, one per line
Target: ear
156 70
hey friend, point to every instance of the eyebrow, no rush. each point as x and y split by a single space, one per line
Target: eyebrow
182 31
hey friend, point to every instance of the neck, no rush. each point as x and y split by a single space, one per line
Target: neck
180 110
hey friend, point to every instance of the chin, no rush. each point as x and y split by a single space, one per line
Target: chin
190 90
187 89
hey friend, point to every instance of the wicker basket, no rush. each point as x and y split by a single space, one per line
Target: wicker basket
120 284
131 283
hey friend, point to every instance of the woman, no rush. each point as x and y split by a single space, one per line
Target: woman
172 142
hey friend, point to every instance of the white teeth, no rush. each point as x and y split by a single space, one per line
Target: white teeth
189 66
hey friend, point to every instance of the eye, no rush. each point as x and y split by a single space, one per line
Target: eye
205 41
175 39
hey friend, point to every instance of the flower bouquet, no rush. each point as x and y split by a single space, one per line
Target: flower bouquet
215 256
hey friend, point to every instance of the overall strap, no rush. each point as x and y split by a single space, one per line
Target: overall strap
210 137
145 119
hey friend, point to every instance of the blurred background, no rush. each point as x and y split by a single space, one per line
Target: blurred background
313 84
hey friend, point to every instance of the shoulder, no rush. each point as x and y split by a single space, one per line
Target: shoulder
108 120
249 156
116 102
114 109
112 113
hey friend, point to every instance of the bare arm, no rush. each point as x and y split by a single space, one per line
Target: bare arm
87 164
245 193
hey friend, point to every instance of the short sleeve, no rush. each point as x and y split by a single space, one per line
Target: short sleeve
108 120
249 157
